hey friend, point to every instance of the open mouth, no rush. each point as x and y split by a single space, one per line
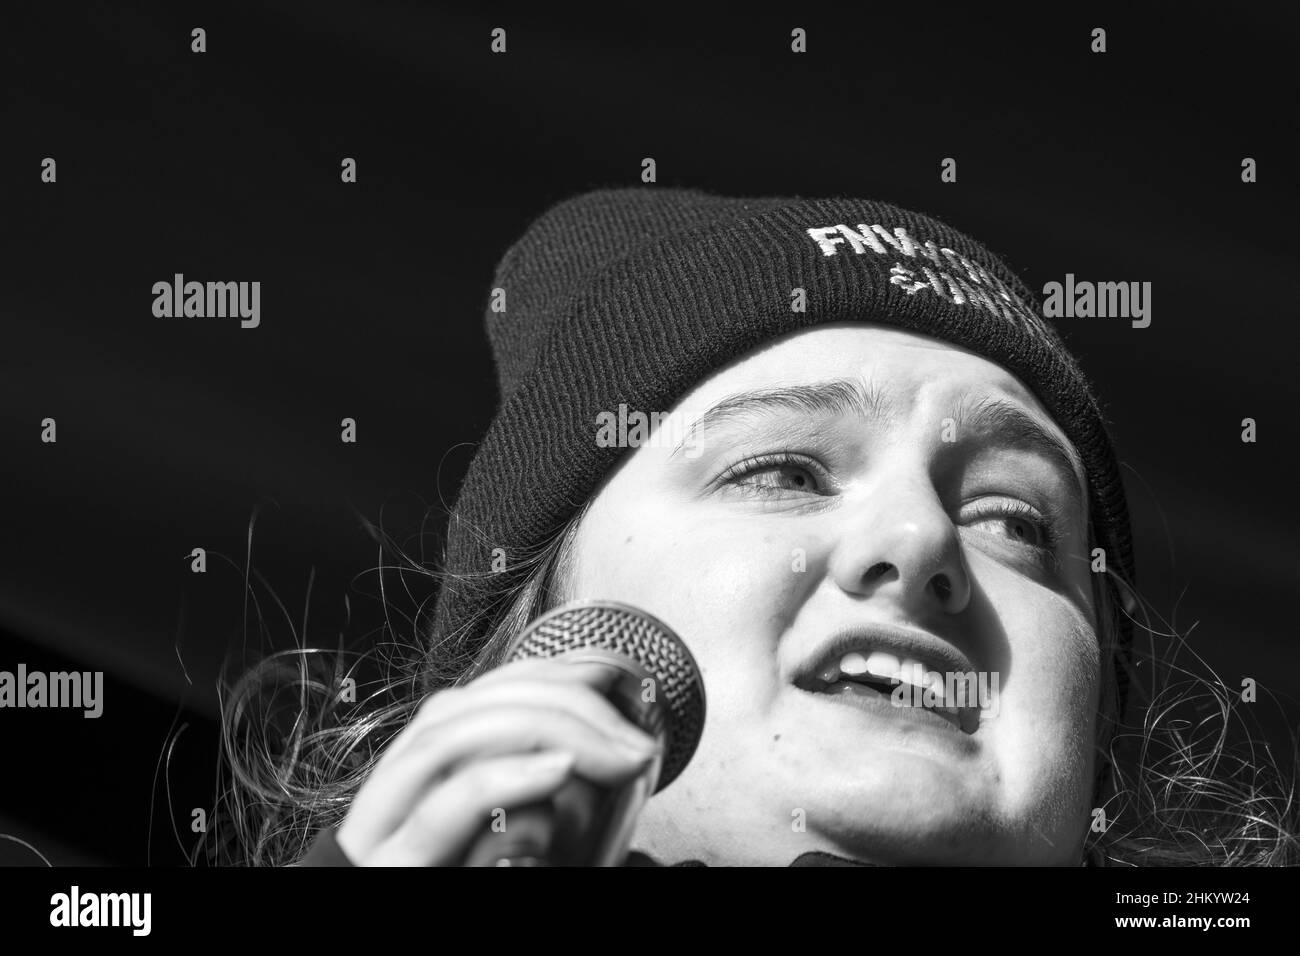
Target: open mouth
877 678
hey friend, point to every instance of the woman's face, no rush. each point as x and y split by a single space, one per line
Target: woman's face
867 502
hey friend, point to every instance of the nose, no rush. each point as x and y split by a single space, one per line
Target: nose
897 542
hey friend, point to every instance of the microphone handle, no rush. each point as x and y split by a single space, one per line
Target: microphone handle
585 824
525 841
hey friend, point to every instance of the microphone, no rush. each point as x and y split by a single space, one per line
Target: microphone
656 685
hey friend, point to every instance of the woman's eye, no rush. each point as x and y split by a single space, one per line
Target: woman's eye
1017 529
776 474
1014 521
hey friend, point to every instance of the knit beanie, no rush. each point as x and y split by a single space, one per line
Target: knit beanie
636 295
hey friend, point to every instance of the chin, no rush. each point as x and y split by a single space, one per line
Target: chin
945 833
872 825
906 838
901 808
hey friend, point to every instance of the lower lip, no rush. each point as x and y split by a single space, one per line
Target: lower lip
857 696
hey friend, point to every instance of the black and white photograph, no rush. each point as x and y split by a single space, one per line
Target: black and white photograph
449 436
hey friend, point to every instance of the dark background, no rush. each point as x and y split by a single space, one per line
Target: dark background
175 433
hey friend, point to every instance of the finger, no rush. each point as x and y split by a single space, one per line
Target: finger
439 751
516 726
599 677
457 811
554 668
581 701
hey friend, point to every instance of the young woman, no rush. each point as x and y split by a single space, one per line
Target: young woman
868 460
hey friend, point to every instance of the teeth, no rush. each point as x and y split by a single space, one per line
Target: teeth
912 672
888 667
853 664
880 664
934 683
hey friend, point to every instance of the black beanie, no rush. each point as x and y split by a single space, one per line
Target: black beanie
636 295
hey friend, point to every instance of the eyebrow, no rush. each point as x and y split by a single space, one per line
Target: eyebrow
1017 428
835 397
1013 426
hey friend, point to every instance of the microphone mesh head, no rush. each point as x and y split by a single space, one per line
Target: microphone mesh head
610 626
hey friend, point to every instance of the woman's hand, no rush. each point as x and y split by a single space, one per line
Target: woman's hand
513 736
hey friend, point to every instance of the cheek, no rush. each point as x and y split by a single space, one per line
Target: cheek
726 588
1056 666
1045 741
